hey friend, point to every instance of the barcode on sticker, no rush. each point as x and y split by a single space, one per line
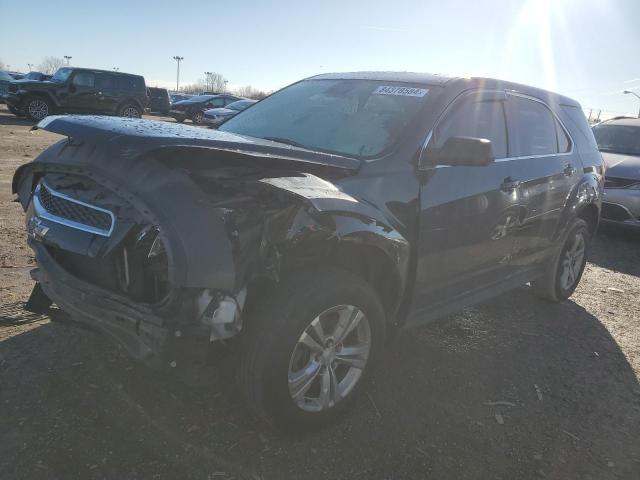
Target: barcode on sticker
402 91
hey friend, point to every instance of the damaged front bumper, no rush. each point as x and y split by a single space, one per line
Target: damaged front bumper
143 334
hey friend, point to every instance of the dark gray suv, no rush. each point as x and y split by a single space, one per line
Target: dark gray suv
79 90
312 225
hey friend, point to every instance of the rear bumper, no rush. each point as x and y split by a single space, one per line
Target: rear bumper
144 335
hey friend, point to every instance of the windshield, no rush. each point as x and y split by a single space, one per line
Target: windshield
61 75
33 76
239 105
199 98
358 118
6 77
618 138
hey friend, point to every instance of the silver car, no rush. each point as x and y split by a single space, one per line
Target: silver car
619 141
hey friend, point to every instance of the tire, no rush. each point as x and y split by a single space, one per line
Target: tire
36 108
197 118
275 351
129 110
15 111
564 272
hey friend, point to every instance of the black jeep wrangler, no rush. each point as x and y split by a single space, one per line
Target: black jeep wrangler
311 225
79 90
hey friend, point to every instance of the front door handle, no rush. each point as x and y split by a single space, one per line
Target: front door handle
569 170
509 185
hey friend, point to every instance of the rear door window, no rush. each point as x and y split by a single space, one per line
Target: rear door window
106 81
533 128
217 102
475 117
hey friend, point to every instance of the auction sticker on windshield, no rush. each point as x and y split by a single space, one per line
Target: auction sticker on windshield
402 91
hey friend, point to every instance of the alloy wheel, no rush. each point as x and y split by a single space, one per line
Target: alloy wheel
197 117
38 109
130 112
572 261
329 358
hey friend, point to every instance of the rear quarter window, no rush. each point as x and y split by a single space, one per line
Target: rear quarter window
132 84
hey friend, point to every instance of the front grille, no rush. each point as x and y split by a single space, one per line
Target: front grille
612 182
13 88
67 209
612 211
3 89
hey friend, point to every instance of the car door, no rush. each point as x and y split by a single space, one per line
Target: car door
107 91
467 213
82 92
547 170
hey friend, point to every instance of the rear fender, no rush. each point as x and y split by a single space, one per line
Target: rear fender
586 192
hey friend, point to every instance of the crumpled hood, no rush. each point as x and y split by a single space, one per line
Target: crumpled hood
622 166
139 136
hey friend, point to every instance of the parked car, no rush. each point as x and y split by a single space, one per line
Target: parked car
17 75
5 80
194 107
312 225
619 142
38 76
80 90
215 116
178 97
159 100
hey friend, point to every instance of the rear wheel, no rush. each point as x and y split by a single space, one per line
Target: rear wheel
564 273
37 108
130 110
309 348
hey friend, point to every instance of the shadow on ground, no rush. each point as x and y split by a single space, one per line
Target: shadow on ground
512 389
622 253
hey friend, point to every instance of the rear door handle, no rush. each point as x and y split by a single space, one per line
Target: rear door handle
509 185
569 170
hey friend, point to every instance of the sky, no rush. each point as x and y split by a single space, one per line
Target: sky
586 49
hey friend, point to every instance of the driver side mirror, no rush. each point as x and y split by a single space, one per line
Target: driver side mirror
462 151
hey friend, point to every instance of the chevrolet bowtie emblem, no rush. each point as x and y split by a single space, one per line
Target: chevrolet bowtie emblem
36 229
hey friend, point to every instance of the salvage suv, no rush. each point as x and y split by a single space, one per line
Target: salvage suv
311 226
79 90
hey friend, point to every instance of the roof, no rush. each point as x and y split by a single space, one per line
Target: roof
626 121
461 83
408 77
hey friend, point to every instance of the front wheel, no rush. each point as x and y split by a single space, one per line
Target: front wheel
197 118
129 110
563 274
309 349
37 108
15 111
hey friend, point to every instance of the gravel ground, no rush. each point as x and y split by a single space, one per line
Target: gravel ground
513 388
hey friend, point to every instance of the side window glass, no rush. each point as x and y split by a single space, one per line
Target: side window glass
84 79
217 102
105 81
564 144
534 128
474 117
228 100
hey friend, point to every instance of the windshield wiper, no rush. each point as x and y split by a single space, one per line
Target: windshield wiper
286 141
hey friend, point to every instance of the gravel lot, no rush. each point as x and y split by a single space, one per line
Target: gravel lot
512 389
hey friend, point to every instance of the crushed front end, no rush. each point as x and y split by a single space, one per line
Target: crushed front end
107 256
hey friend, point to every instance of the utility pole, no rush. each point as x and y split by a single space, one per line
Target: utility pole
67 58
208 77
634 94
178 59
29 65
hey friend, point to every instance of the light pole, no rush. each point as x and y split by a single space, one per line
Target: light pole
225 86
29 65
67 58
208 77
178 59
635 94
